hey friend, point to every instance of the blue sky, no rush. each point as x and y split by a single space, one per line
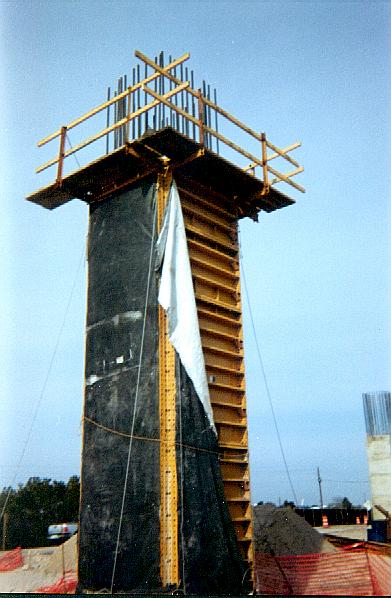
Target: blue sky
317 272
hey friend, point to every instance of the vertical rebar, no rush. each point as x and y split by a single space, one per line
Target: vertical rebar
206 114
133 103
161 58
108 121
170 88
155 110
377 412
138 102
216 119
177 123
181 98
209 120
163 117
127 127
193 111
145 98
187 101
115 120
122 112
201 118
159 108
119 103
124 108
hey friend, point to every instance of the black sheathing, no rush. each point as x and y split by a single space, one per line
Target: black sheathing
210 561
119 246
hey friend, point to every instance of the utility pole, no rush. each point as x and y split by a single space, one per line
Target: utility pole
320 488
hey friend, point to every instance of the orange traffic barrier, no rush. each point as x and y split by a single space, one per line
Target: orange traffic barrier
325 521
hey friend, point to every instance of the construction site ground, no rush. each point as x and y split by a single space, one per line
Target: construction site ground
280 530
278 534
42 567
355 532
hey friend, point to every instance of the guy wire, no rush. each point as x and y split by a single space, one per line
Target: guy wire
42 393
182 483
135 398
268 394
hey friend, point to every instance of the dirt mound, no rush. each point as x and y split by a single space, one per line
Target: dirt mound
279 531
42 567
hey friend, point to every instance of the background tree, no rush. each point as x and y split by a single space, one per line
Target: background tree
36 505
340 503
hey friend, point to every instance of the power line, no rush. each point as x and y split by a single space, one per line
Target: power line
42 393
346 481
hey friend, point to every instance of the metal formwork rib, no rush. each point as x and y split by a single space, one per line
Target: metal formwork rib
169 568
214 255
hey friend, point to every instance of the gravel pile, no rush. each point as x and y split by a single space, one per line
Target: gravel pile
279 531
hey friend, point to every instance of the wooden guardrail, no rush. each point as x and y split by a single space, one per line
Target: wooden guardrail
198 119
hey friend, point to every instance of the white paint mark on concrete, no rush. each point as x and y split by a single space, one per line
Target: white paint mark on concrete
93 379
122 318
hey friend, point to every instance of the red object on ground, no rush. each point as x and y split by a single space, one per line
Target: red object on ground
357 573
64 585
13 559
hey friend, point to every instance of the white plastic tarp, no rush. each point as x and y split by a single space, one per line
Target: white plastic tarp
176 296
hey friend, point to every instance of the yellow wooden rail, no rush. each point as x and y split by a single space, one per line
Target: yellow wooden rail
117 98
282 153
115 126
181 87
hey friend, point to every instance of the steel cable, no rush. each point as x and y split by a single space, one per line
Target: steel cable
135 398
42 393
268 394
182 484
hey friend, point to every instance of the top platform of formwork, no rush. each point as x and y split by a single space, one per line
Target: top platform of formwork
174 131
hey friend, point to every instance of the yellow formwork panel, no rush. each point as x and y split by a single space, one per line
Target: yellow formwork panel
216 258
214 255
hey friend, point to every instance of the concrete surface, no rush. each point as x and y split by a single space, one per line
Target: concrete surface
379 464
355 532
